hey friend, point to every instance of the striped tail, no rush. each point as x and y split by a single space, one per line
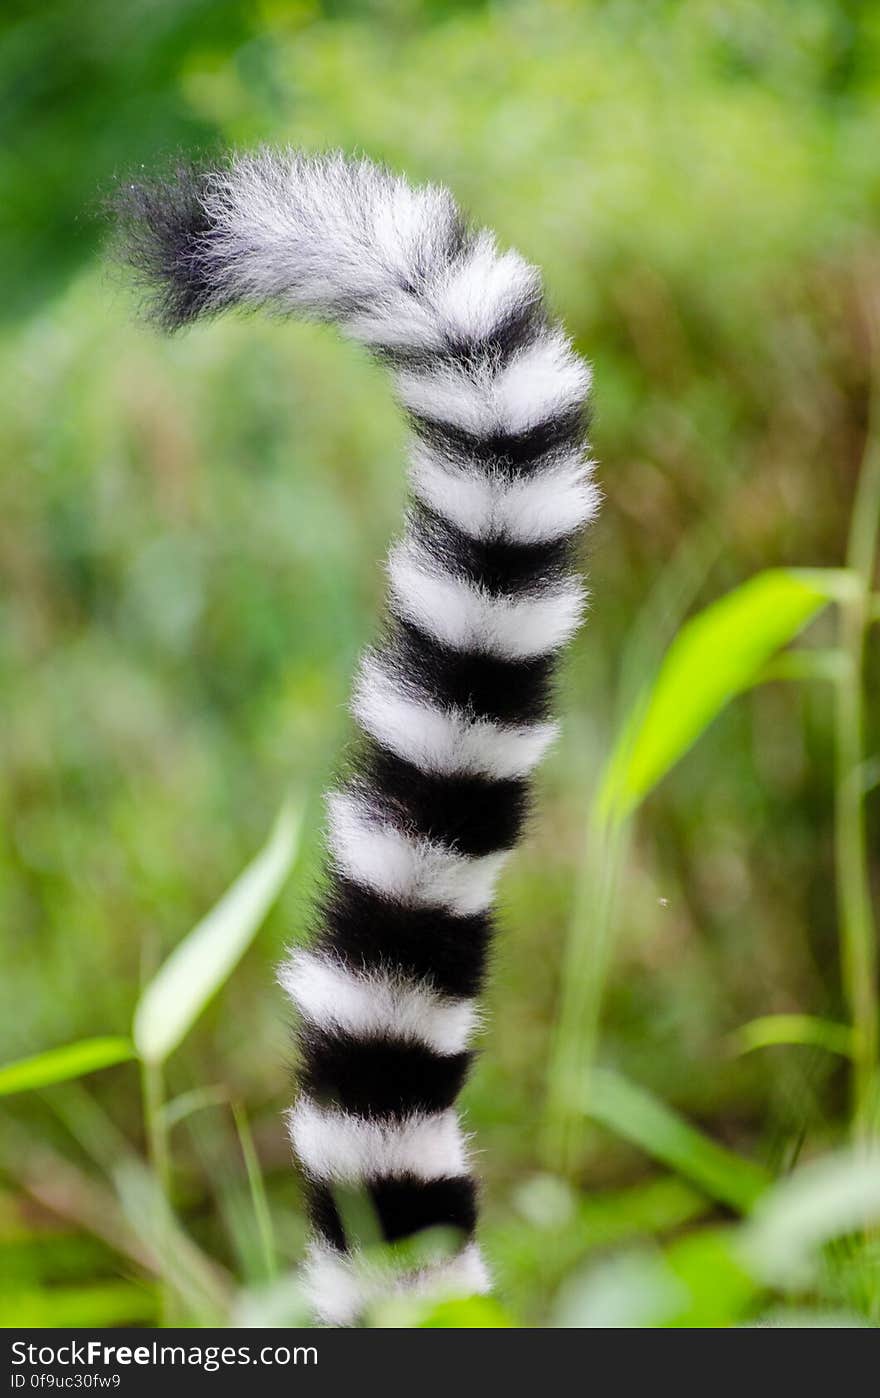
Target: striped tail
453 703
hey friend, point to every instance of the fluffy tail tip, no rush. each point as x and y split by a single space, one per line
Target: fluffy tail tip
163 231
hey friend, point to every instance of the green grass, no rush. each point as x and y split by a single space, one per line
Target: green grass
190 542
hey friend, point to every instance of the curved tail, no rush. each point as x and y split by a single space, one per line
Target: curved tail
453 703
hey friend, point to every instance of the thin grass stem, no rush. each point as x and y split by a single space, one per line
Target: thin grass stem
155 1123
858 934
257 1186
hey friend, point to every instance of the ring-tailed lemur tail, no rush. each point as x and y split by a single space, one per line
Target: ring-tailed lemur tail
453 702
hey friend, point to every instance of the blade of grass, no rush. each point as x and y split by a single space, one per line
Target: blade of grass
62 1064
215 1143
771 1030
720 652
179 1108
715 656
198 966
820 1201
591 927
91 1306
198 1283
257 1188
858 934
182 987
805 664
631 1112
584 972
89 1125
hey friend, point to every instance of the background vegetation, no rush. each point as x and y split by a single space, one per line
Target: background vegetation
191 534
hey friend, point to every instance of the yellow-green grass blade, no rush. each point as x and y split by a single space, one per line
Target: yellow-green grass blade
716 655
768 1031
631 1112
61 1064
94 1304
199 965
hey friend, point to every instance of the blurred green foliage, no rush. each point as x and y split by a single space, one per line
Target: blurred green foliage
190 541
